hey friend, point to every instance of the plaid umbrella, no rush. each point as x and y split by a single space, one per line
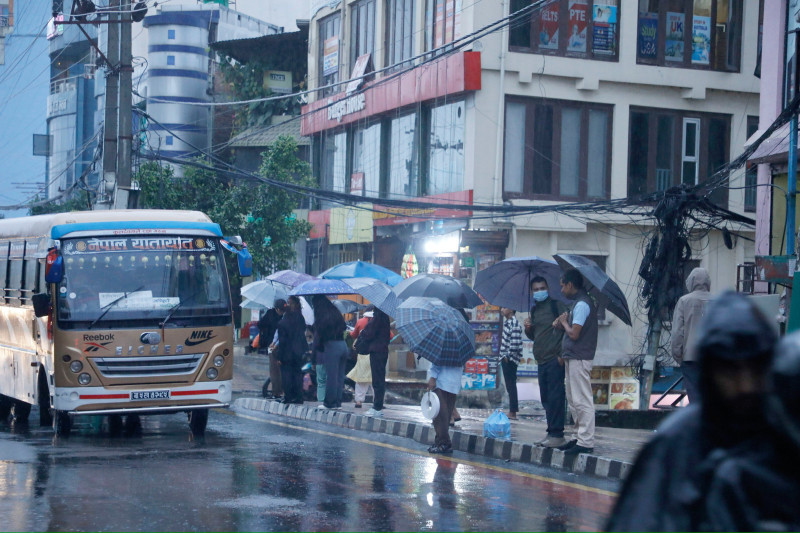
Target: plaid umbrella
435 331
362 269
379 294
322 286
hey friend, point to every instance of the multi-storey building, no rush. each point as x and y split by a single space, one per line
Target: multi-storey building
585 100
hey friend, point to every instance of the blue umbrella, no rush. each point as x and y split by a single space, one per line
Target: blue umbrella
362 269
508 283
322 286
379 294
435 331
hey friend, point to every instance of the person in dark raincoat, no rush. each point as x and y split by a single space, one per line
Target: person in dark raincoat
757 488
290 350
666 488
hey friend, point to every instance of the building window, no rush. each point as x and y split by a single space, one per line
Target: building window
171 34
751 176
333 162
399 32
404 143
169 140
442 22
667 148
328 66
362 29
365 178
549 146
446 149
587 29
704 34
170 60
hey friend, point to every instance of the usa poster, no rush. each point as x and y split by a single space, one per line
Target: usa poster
577 26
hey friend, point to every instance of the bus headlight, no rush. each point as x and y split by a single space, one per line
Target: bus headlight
219 360
212 373
76 366
84 379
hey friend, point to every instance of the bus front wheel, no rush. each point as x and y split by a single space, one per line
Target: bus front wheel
198 418
62 423
22 411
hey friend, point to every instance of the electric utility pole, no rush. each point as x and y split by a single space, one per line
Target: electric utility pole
110 129
125 138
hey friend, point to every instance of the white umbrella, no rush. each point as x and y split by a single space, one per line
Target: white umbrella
265 291
308 312
250 304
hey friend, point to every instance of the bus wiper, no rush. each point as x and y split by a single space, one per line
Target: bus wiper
178 306
106 308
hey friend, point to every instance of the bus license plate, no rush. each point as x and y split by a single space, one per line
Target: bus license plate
150 395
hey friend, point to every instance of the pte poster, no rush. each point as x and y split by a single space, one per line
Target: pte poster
330 56
604 24
673 50
701 40
648 36
577 26
548 27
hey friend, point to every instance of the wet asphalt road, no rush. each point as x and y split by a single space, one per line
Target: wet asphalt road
261 473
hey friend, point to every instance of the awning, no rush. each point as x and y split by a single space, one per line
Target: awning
774 149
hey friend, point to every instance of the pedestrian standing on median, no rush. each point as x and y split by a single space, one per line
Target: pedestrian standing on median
510 355
267 326
577 349
547 352
688 313
375 338
669 485
330 347
361 374
445 381
290 350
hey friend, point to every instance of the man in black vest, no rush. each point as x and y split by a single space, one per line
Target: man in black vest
547 352
577 350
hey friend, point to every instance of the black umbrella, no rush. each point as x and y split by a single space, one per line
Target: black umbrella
450 290
347 306
597 282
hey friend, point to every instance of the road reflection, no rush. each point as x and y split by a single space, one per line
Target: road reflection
252 476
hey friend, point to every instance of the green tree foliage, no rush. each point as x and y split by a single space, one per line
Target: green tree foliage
76 203
261 214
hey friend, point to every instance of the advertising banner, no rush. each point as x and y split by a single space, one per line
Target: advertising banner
527 367
330 56
349 225
648 36
701 40
614 388
577 26
548 31
673 50
604 25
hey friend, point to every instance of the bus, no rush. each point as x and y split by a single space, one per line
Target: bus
116 313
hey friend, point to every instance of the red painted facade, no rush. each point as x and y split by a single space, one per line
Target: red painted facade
448 76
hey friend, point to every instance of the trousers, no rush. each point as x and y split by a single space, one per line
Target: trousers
510 377
441 422
334 358
580 400
377 363
551 389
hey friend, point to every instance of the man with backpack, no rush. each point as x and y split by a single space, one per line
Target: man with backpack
547 352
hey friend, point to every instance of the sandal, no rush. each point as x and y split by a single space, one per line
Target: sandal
440 448
357 405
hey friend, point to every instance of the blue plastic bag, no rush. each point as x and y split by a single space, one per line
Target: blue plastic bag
497 426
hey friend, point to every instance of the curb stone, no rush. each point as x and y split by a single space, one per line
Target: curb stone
513 451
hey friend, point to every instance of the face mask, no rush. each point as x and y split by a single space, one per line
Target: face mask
540 296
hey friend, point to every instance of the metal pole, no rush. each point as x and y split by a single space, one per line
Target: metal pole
112 95
125 96
792 181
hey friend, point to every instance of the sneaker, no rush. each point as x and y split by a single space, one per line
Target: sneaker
575 450
541 441
440 448
554 442
568 445
373 412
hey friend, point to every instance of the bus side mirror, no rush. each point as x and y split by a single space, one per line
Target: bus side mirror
245 262
41 304
54 267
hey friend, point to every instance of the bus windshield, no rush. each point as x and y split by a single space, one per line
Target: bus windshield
137 281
